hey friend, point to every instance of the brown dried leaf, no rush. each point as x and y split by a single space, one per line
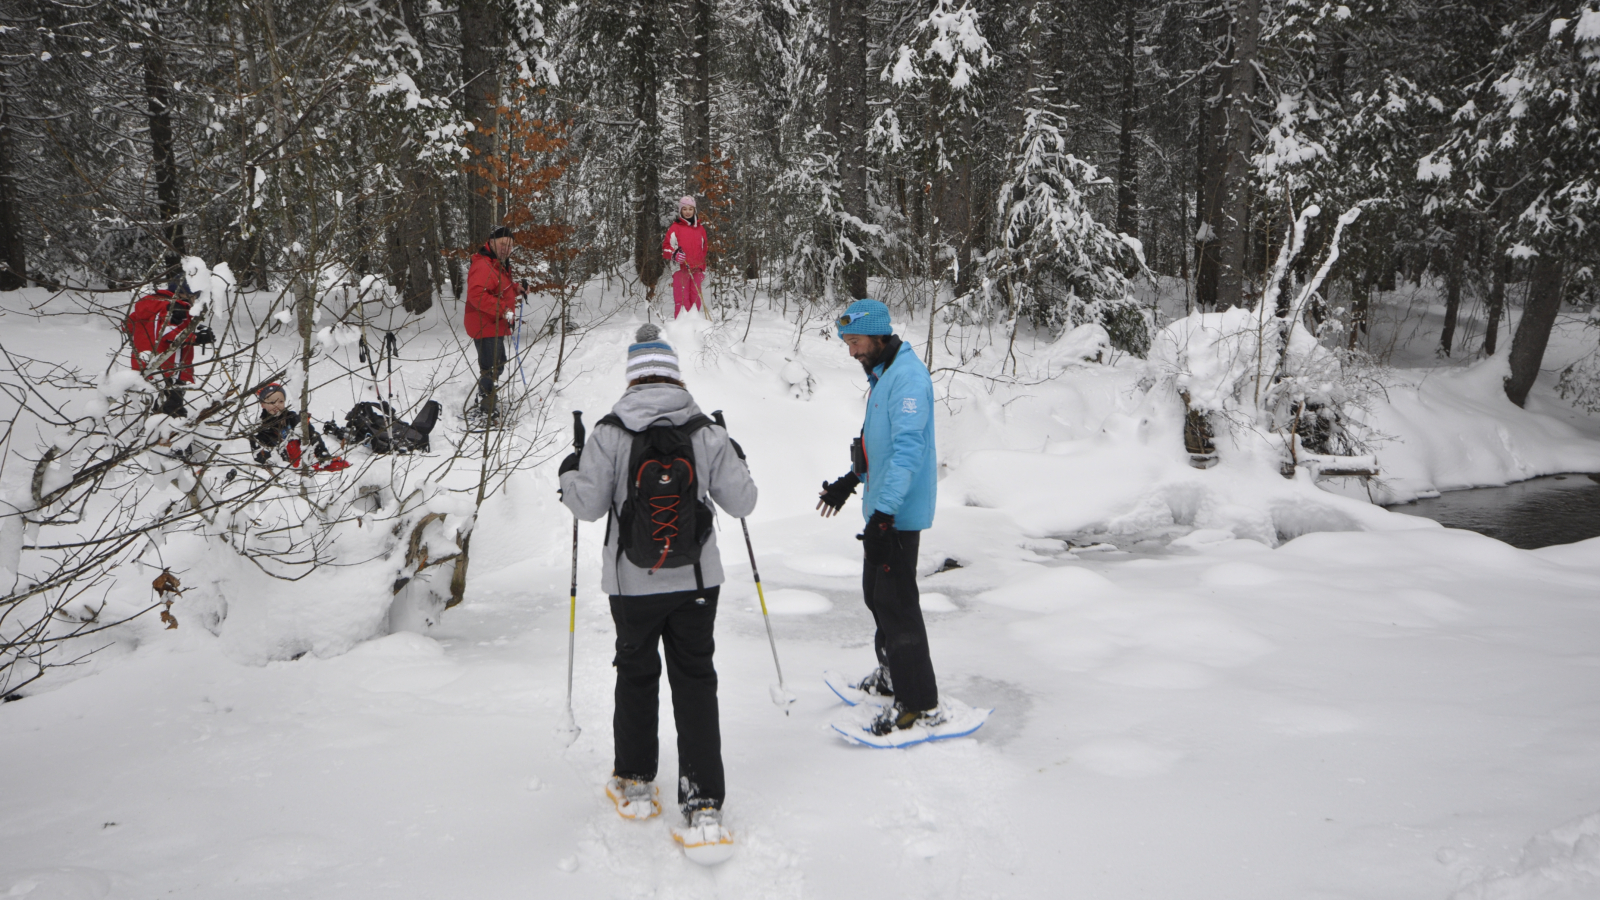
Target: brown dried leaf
167 583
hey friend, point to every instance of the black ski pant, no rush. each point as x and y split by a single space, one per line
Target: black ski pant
682 623
890 588
491 362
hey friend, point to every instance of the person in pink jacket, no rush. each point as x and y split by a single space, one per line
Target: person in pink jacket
685 244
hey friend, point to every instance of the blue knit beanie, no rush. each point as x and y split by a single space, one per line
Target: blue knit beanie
865 317
650 355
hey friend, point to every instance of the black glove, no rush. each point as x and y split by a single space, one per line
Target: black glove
738 450
570 464
333 428
203 335
263 457
834 494
880 540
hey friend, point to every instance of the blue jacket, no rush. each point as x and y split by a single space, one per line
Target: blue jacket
902 465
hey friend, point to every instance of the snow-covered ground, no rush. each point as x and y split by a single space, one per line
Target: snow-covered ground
1283 692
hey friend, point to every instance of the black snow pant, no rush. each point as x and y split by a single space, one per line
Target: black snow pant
682 622
491 362
890 589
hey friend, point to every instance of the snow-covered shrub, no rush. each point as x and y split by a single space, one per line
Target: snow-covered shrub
1262 372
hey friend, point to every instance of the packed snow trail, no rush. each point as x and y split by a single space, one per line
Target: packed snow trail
1352 714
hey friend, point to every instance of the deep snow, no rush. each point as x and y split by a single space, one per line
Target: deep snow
1298 695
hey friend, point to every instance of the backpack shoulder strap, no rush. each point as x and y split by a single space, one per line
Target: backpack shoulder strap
613 419
695 423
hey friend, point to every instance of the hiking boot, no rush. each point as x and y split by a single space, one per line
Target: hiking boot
635 799
893 718
878 683
704 817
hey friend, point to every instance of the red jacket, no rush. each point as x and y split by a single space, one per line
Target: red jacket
490 295
153 332
691 240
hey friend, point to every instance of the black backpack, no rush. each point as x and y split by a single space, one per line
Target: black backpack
664 523
387 433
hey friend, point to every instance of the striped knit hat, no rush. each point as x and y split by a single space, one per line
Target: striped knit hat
650 355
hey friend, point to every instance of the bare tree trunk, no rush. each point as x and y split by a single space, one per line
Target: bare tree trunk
1127 160
1497 302
414 235
163 159
1233 201
698 115
1209 167
445 246
1533 332
853 133
1462 227
647 153
13 249
480 38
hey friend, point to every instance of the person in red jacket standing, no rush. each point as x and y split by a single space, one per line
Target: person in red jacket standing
163 342
491 311
685 244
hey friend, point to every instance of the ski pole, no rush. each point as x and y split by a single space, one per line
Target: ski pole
569 725
780 694
516 340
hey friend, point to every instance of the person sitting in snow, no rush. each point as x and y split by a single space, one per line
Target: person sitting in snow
894 456
164 339
491 311
673 601
685 244
280 430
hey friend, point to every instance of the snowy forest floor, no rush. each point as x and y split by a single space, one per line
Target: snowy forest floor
1284 693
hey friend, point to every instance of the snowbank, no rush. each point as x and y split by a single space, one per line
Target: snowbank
1445 429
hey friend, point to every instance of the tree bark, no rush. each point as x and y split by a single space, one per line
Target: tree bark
13 248
1127 160
647 152
480 78
164 161
1233 202
1453 279
852 134
1533 332
413 273
1497 302
1209 169
698 118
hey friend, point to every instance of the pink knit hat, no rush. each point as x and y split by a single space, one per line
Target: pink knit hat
686 200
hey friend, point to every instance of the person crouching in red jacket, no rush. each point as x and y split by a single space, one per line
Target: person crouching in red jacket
491 311
685 244
163 342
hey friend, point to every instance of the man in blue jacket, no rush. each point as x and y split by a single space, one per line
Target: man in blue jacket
895 458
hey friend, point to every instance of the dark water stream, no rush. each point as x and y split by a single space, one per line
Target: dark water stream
1556 509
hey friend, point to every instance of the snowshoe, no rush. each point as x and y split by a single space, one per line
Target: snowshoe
703 838
895 727
476 421
635 799
868 690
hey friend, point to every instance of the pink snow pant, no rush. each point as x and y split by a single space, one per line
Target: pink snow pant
686 293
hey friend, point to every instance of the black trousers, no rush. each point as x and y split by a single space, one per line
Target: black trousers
682 622
890 589
491 362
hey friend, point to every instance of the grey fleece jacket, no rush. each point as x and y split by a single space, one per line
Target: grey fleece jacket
600 485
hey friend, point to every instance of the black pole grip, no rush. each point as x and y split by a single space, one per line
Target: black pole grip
577 429
716 416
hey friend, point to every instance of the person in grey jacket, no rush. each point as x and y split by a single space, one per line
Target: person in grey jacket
675 607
